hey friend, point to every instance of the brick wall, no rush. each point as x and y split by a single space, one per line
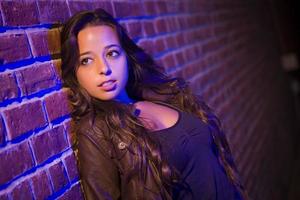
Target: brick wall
225 49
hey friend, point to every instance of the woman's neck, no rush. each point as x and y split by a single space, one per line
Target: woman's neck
124 98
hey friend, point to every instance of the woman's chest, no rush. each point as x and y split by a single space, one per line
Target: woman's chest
156 117
188 140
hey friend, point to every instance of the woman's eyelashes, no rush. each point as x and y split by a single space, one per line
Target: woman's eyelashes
85 61
113 53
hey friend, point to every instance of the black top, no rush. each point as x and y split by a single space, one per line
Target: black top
188 146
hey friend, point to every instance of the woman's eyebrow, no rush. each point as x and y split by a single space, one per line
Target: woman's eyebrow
84 53
111 45
106 47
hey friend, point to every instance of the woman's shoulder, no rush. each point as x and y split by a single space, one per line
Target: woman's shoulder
89 125
95 132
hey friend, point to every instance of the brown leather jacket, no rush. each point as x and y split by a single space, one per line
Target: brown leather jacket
103 167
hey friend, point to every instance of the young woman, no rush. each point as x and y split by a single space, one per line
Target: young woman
140 134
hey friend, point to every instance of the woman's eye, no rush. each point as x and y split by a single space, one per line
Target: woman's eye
113 53
85 61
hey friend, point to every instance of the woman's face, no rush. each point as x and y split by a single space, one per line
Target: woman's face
102 67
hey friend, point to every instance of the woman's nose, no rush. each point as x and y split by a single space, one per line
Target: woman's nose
104 68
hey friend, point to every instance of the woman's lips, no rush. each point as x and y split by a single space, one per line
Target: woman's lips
108 85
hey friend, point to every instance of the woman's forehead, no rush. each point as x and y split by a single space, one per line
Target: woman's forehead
102 35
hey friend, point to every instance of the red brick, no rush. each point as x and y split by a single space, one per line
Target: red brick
172 24
190 37
150 8
203 19
24 118
190 71
41 185
19 13
57 70
182 23
171 42
49 144
223 16
148 27
204 33
180 39
71 166
57 67
71 136
4 196
128 9
179 56
74 193
45 78
159 45
76 6
44 42
147 45
222 41
22 191
211 60
8 86
14 47
1 24
162 7
53 11
200 5
161 26
159 61
135 29
106 5
172 7
191 53
192 21
15 161
209 46
168 61
183 6
57 105
58 176
2 131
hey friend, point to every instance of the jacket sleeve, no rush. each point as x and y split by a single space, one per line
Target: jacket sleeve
99 174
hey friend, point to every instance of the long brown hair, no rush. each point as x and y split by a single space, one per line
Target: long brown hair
146 81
